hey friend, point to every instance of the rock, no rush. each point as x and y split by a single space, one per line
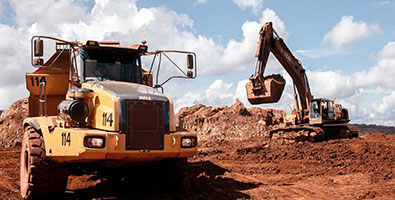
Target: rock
17 142
239 108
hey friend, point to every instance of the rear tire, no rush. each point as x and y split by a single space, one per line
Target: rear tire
40 177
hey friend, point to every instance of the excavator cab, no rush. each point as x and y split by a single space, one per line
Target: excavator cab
322 110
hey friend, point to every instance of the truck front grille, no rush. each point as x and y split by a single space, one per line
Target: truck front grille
145 126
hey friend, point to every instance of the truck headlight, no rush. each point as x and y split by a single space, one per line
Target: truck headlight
94 142
188 142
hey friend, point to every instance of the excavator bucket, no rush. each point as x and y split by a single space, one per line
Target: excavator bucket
268 91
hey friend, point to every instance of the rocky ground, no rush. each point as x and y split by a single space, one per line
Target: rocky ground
236 161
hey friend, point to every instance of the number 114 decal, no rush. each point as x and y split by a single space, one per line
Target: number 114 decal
107 119
66 141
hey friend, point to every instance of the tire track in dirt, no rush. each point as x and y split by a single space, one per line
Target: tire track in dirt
9 173
7 183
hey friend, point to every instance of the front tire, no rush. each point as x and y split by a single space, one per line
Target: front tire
39 175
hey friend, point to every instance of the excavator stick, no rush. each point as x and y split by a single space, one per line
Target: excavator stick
266 89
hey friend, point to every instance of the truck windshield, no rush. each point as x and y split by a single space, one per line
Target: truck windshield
111 66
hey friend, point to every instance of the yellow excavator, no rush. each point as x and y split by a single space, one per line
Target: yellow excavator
92 107
313 119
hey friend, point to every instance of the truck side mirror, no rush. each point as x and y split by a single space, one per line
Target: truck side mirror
38 48
190 62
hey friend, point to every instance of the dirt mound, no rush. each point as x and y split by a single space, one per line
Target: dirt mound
11 129
373 128
232 121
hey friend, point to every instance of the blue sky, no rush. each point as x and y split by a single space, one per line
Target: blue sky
347 47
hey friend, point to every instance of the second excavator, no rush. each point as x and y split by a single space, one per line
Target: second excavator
313 119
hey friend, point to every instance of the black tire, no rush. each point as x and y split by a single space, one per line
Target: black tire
40 177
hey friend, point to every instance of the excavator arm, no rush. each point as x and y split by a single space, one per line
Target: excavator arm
268 89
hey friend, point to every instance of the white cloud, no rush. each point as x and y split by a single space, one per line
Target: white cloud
388 52
330 84
14 55
347 33
240 54
383 73
217 94
387 104
201 1
241 92
189 99
256 5
385 4
47 13
315 53
12 93
342 38
385 111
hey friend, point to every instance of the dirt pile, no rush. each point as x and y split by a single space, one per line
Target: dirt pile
11 129
372 128
232 121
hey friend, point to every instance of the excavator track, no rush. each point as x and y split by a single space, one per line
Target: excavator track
298 133
301 133
340 131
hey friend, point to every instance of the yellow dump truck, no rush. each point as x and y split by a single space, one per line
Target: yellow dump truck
92 102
